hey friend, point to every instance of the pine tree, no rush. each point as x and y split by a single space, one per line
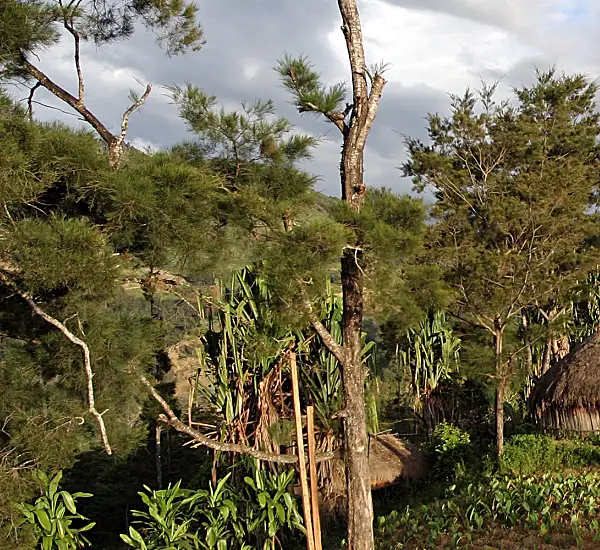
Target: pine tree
354 121
30 26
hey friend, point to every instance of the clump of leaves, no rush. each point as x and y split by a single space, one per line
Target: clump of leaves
218 518
449 445
52 515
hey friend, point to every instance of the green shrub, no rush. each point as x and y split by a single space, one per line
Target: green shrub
50 518
450 446
532 454
219 518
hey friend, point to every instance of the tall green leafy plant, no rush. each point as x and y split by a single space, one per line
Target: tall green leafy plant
52 516
430 354
219 518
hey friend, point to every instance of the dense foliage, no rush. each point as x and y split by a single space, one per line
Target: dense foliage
154 308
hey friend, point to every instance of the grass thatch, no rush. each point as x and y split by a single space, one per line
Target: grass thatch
568 395
391 460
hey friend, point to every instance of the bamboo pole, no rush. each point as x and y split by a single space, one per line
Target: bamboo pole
310 541
314 485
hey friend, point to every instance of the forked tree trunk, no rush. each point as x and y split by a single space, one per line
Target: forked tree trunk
113 142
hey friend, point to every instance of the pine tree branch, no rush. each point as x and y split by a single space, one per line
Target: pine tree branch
77 341
69 24
70 100
172 420
135 105
30 99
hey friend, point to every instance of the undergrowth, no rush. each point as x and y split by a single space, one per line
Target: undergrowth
543 503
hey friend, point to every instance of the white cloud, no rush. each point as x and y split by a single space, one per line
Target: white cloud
440 50
251 68
145 145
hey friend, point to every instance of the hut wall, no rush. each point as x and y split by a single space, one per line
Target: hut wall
575 419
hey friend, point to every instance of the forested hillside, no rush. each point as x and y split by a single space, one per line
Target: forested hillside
198 350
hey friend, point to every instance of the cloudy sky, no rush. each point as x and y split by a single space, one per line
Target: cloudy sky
433 47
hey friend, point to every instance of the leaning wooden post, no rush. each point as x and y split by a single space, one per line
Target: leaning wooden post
314 485
310 541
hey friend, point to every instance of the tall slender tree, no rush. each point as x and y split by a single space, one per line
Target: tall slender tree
354 120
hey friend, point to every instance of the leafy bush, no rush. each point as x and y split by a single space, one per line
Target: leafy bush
449 446
218 518
552 502
51 517
531 454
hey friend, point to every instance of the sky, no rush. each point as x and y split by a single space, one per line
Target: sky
432 47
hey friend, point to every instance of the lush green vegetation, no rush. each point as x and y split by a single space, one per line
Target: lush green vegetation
158 309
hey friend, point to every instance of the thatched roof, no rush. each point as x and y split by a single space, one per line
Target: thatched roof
390 460
573 382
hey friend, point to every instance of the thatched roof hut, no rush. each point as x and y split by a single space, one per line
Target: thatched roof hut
391 460
567 397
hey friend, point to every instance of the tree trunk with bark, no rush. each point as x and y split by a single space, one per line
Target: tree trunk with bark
500 389
356 442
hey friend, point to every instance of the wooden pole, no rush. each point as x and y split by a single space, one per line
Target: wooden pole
310 541
158 456
314 482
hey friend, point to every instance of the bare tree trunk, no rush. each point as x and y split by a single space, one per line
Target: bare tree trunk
500 391
358 478
527 342
547 353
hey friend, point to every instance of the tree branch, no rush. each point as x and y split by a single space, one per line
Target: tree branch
30 99
171 419
69 24
336 350
77 341
136 105
70 100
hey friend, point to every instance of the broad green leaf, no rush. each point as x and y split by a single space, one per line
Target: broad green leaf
69 502
44 520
